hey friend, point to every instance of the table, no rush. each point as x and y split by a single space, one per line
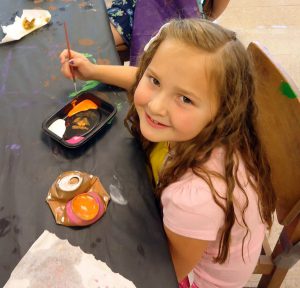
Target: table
129 238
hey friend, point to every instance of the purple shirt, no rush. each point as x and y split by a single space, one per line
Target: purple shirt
150 15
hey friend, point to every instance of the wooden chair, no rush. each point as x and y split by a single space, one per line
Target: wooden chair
279 130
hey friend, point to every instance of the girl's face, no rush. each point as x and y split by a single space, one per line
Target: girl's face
173 99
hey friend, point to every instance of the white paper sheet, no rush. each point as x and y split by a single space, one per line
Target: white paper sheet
52 262
16 30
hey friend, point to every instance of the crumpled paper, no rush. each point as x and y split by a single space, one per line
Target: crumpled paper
16 30
52 262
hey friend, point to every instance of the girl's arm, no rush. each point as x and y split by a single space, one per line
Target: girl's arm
121 76
186 252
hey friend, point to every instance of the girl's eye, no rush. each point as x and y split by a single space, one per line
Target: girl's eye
186 100
154 81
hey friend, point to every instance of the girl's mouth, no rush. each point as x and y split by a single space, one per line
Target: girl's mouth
153 123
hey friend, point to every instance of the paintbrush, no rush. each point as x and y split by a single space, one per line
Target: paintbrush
69 54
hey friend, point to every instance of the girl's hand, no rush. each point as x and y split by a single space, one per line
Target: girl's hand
82 67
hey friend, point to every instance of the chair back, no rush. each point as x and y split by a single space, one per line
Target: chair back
278 101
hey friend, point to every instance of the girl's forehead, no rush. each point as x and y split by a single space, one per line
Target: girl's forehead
181 51
178 56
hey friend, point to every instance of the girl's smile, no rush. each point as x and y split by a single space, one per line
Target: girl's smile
174 98
154 123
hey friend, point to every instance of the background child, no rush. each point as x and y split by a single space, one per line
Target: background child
194 113
133 22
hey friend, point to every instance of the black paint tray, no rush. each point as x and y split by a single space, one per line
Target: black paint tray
82 124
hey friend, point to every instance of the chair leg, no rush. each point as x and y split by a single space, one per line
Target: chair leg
274 280
285 255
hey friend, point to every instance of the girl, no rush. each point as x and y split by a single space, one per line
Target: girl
193 110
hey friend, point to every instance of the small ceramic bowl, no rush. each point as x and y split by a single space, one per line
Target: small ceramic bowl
85 209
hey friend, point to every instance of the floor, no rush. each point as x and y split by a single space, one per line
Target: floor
292 9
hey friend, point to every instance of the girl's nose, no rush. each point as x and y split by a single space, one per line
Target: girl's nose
158 104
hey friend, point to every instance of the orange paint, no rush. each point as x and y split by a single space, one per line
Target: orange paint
86 42
102 61
85 206
46 83
52 8
82 106
53 77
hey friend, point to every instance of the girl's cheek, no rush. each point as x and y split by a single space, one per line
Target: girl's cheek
140 96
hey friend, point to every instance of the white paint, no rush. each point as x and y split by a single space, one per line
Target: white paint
58 127
116 195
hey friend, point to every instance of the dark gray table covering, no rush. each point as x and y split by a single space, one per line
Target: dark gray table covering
129 238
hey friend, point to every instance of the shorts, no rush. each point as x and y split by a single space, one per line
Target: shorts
121 14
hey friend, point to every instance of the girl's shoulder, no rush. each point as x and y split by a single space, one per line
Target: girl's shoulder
192 183
189 208
192 191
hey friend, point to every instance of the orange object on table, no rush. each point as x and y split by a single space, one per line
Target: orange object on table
85 206
82 106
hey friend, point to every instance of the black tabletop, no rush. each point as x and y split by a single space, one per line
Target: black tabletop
130 237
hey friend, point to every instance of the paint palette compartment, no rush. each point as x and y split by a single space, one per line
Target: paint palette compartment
79 120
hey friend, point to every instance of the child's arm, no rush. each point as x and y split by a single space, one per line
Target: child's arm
121 76
186 252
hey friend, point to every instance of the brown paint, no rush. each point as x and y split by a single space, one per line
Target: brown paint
103 61
46 83
86 42
53 77
38 1
52 8
82 4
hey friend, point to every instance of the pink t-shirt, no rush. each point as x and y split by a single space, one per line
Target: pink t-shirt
189 210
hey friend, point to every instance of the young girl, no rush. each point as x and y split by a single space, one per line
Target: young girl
193 110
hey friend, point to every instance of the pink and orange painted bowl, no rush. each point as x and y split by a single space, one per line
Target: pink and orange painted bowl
85 209
79 120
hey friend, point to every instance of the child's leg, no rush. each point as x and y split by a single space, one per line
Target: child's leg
119 42
121 17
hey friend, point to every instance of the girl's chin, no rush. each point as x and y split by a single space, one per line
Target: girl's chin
152 137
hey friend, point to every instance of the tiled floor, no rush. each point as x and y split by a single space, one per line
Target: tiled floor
275 19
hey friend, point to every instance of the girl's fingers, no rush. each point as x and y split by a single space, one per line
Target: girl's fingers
64 55
78 61
65 70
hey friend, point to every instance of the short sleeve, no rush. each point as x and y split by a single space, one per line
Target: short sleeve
190 210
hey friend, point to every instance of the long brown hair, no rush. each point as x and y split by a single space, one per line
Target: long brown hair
233 127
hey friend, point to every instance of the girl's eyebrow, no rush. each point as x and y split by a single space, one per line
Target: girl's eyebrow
149 70
188 93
